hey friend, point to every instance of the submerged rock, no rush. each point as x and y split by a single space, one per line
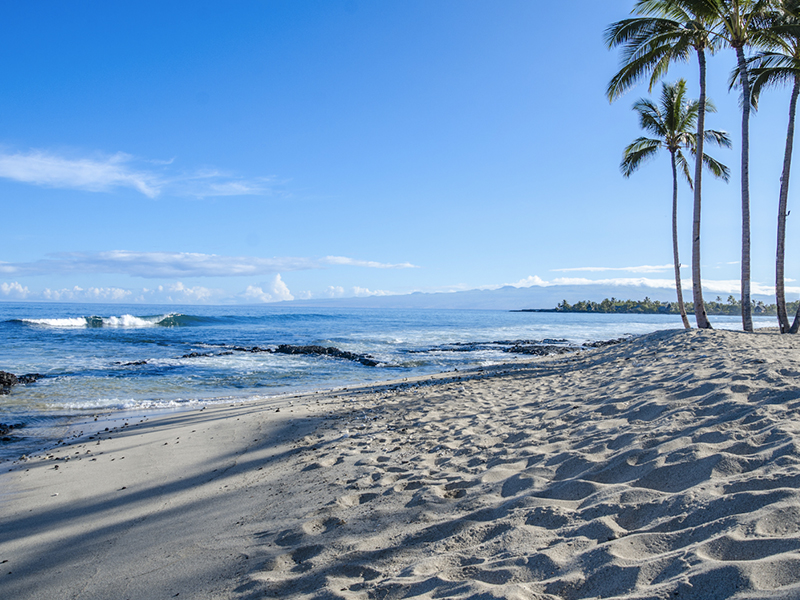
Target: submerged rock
327 351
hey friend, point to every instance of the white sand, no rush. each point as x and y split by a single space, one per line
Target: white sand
664 467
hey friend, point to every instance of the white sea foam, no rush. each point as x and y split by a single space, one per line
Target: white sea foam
124 321
131 321
74 322
123 404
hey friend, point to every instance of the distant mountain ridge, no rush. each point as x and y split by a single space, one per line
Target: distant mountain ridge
508 297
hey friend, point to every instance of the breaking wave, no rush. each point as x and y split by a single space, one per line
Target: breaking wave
123 321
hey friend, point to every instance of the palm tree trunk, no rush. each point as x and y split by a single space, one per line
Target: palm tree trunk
747 317
697 287
675 258
780 291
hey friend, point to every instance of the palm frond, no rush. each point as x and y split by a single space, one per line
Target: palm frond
683 167
719 138
716 168
649 46
638 152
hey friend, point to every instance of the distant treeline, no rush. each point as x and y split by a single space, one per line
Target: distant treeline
648 306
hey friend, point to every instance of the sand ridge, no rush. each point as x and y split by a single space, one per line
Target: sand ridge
663 467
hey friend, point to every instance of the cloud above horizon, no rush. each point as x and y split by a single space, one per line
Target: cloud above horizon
638 269
153 265
276 290
716 286
104 173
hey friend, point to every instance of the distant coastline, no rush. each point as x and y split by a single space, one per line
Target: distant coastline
655 307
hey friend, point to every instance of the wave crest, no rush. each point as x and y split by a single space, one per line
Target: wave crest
124 321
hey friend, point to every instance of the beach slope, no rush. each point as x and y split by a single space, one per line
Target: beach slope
666 466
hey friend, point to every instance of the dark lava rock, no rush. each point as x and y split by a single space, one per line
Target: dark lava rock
604 343
254 349
197 354
5 428
542 350
6 381
28 378
327 351
135 363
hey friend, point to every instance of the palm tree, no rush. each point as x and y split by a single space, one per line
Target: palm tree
670 31
781 65
744 23
672 122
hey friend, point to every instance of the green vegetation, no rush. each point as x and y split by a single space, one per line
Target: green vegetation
647 306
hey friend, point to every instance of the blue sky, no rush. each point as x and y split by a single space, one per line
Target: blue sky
261 151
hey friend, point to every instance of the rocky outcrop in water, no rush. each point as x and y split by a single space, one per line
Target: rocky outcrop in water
312 350
364 359
9 380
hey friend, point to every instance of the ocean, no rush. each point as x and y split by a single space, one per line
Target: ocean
124 361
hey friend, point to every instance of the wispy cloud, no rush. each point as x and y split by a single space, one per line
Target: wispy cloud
91 174
711 286
638 269
180 264
342 260
105 173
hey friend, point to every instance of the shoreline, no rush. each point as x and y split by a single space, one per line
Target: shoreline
83 427
667 464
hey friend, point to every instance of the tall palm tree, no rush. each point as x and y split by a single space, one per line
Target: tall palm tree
778 66
744 23
669 31
672 122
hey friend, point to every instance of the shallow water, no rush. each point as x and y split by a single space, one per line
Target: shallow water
98 359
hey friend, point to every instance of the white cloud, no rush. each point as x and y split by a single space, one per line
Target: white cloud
91 174
531 281
256 294
333 291
277 291
342 260
363 292
639 269
93 294
710 286
188 294
616 281
104 173
280 290
14 290
179 264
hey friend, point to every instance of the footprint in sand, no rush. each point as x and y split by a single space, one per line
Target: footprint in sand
503 472
355 499
321 526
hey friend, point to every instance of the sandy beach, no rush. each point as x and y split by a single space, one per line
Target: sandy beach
666 466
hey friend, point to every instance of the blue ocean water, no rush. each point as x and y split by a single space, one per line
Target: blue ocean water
100 359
